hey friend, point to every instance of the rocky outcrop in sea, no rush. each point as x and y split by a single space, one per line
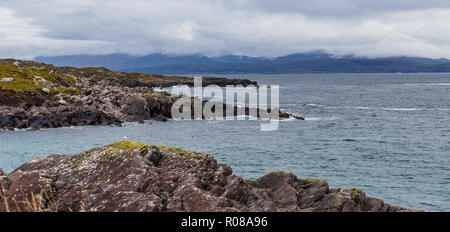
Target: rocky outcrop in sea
35 95
130 176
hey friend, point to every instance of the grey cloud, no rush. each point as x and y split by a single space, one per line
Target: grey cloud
214 27
337 8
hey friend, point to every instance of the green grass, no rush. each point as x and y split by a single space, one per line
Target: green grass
21 82
19 86
25 80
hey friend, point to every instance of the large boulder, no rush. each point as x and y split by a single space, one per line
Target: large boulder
137 109
129 176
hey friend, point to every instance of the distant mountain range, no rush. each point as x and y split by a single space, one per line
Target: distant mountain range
313 62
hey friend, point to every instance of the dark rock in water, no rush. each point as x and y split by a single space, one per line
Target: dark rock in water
2 173
298 117
129 176
160 118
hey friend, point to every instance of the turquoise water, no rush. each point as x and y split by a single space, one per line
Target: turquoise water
388 134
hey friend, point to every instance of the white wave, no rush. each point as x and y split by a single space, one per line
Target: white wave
74 127
402 109
231 118
413 109
313 119
158 90
178 89
317 105
321 119
387 108
290 119
428 84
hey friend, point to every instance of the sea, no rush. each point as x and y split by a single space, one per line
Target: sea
387 134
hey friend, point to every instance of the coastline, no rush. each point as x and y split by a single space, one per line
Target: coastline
35 95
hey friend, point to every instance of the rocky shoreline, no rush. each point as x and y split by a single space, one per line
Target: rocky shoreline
35 95
130 176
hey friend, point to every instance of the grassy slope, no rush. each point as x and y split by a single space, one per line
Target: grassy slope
26 79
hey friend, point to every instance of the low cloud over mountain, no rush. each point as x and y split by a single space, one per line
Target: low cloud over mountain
312 62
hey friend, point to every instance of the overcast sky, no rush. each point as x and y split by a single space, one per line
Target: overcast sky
30 28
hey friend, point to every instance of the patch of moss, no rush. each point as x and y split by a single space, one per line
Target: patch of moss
354 192
65 91
86 72
280 173
125 146
76 163
173 149
71 80
45 72
200 156
316 182
184 154
160 96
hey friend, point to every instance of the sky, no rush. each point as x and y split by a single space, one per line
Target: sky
30 28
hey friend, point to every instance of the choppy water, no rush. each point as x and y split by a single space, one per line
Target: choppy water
388 134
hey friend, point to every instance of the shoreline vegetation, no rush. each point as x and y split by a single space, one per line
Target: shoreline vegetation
35 95
130 176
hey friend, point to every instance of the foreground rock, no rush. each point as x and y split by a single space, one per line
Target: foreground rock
35 95
129 176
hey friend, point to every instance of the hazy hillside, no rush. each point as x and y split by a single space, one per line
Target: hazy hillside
314 62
